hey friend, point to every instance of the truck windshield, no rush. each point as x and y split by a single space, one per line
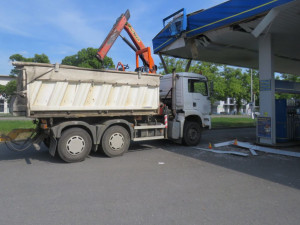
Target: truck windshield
197 86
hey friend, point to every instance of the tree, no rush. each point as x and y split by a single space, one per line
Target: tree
255 86
228 81
86 58
2 89
238 84
291 78
42 58
173 63
37 58
11 87
235 84
210 70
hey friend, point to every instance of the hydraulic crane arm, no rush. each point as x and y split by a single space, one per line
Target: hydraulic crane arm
112 35
139 47
148 60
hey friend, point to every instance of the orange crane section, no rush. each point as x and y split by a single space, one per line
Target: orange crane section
141 51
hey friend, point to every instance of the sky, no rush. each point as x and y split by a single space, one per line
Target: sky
60 28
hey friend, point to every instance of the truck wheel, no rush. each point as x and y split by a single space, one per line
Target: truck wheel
74 145
191 133
115 141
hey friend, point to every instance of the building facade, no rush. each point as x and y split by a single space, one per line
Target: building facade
229 107
3 98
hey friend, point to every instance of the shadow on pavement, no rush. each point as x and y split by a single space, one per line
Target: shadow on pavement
28 155
279 169
43 155
275 168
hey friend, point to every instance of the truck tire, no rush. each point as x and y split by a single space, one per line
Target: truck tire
191 133
74 145
115 141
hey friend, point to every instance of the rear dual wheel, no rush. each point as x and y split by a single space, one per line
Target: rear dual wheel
74 145
115 141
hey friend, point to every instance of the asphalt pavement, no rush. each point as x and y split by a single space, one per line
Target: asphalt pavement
156 182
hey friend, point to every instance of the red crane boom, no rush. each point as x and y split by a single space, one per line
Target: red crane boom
141 51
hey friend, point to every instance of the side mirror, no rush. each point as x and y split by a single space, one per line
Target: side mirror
211 88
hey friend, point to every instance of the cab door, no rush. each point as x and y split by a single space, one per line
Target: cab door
197 95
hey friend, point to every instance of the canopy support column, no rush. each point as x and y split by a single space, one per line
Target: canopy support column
266 129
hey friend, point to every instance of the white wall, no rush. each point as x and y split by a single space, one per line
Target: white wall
229 107
3 105
3 81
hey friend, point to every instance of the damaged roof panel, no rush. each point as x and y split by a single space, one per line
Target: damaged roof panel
216 17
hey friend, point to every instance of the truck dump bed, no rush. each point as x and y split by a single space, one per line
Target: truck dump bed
47 90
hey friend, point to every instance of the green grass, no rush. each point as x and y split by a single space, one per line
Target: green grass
218 122
8 125
224 122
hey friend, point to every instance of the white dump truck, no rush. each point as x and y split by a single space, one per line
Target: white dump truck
79 110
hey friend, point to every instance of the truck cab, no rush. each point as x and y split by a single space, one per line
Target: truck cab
190 105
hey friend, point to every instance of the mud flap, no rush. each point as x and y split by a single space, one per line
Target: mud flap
53 145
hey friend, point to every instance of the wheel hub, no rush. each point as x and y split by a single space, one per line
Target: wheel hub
75 145
193 134
116 141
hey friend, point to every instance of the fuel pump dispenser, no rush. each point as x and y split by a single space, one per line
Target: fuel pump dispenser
287 120
297 120
281 121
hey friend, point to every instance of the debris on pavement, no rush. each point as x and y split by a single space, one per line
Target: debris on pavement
224 152
253 148
223 144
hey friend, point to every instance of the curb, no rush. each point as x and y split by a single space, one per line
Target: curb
227 128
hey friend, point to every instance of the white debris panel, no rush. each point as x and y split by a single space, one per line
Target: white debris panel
254 148
223 152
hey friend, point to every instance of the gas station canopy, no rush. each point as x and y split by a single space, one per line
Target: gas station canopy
229 34
260 34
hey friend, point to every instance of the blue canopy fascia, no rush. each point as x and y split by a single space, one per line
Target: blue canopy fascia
218 16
